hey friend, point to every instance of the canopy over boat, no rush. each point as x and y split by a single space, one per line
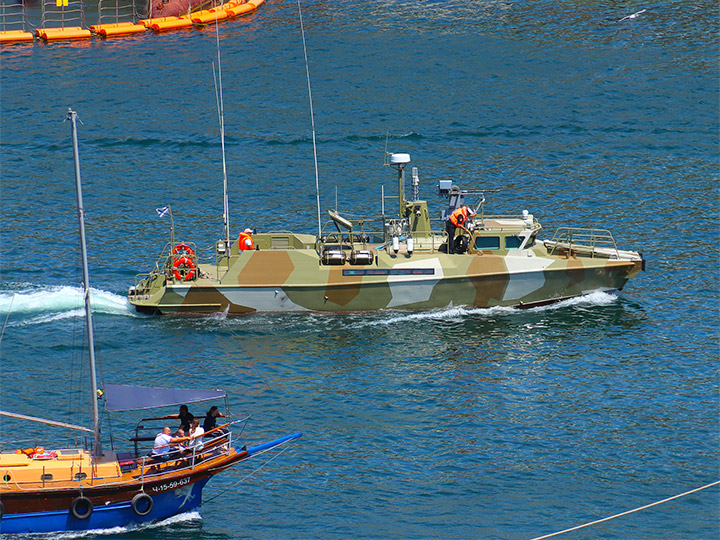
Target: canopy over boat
122 397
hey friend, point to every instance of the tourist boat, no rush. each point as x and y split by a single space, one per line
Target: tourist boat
51 488
399 261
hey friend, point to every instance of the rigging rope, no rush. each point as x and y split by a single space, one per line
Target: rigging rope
244 477
627 512
7 315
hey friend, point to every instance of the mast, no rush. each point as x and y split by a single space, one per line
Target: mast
97 448
221 118
312 122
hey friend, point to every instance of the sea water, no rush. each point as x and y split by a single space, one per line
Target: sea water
457 423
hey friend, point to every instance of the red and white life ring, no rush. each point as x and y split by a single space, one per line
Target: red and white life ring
185 264
183 249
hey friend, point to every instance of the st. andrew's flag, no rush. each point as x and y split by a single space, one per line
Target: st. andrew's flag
162 212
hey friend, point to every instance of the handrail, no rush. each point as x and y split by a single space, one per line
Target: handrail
577 238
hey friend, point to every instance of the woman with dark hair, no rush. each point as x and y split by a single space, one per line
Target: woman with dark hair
211 418
186 418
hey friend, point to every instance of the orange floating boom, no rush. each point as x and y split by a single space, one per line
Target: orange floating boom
15 36
117 29
172 24
242 9
209 16
59 34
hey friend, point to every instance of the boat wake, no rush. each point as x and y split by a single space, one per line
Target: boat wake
597 298
180 518
44 304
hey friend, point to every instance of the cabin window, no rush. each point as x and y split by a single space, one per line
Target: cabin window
487 242
46 477
80 476
7 478
513 242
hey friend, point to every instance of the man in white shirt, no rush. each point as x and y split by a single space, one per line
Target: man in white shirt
163 440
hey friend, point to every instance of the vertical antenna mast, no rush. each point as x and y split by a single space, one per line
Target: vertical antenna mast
312 120
221 119
97 448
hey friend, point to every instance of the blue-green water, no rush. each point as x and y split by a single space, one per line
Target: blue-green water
490 424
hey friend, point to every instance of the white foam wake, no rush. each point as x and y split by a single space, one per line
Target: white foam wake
41 304
180 518
596 298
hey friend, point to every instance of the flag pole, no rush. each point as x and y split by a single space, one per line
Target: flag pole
172 228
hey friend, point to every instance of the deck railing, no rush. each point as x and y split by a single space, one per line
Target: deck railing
594 240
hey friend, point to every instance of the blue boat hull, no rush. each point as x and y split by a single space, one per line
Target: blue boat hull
166 504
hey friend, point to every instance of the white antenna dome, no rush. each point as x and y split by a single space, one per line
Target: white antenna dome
399 159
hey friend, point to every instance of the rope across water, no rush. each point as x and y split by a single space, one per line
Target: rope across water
627 512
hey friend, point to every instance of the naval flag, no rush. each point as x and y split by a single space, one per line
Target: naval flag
162 212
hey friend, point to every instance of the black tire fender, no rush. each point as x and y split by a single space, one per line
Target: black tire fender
142 504
460 244
81 507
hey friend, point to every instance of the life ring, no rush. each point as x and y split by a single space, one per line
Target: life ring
183 249
81 507
142 504
188 267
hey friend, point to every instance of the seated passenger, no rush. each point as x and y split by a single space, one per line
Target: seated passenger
211 420
179 434
185 417
196 435
161 448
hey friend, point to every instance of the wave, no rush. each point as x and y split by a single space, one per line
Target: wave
51 303
180 518
596 298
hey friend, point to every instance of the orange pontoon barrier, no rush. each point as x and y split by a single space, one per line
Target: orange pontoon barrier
231 4
244 9
170 23
15 36
69 32
117 29
209 16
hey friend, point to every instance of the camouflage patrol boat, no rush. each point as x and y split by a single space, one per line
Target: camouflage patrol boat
390 262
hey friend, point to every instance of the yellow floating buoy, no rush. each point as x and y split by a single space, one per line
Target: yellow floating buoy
117 29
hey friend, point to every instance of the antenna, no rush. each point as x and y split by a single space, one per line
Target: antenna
221 119
386 157
312 121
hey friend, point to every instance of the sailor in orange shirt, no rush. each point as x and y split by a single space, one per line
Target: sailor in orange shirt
457 219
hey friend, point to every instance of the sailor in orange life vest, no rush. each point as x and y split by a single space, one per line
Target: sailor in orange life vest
457 219
245 240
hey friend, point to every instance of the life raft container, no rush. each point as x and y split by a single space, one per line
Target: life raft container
184 269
